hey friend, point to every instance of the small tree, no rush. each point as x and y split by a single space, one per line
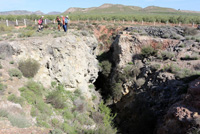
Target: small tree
106 67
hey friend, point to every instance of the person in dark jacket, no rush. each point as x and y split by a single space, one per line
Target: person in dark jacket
59 22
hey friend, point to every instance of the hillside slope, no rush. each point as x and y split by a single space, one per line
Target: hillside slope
122 9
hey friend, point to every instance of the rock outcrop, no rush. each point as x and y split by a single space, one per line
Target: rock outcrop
184 114
70 60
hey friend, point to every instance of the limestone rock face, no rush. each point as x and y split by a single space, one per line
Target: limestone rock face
70 60
127 47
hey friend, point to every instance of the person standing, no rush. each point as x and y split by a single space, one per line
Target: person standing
63 22
66 22
40 24
59 22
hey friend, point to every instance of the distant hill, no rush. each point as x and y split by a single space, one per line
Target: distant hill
105 8
21 12
54 13
158 9
121 9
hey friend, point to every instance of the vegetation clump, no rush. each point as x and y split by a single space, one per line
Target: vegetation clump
116 89
106 67
108 116
26 34
167 55
148 51
190 31
18 120
15 99
57 99
29 67
15 73
4 28
2 87
179 72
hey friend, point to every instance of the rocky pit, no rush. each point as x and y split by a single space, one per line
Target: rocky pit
153 94
150 94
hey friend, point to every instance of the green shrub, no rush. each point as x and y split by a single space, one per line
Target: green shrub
29 67
42 123
148 51
43 107
106 67
105 130
179 72
187 57
84 119
33 93
34 111
4 113
130 71
130 63
77 92
108 116
94 97
172 68
183 73
12 62
68 129
198 40
28 95
53 84
155 67
35 87
15 73
57 99
190 31
15 99
67 114
26 34
167 55
18 121
2 87
91 86
117 90
4 28
55 123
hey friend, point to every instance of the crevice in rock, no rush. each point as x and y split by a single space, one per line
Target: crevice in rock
145 107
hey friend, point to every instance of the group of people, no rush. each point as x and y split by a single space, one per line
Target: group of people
62 22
